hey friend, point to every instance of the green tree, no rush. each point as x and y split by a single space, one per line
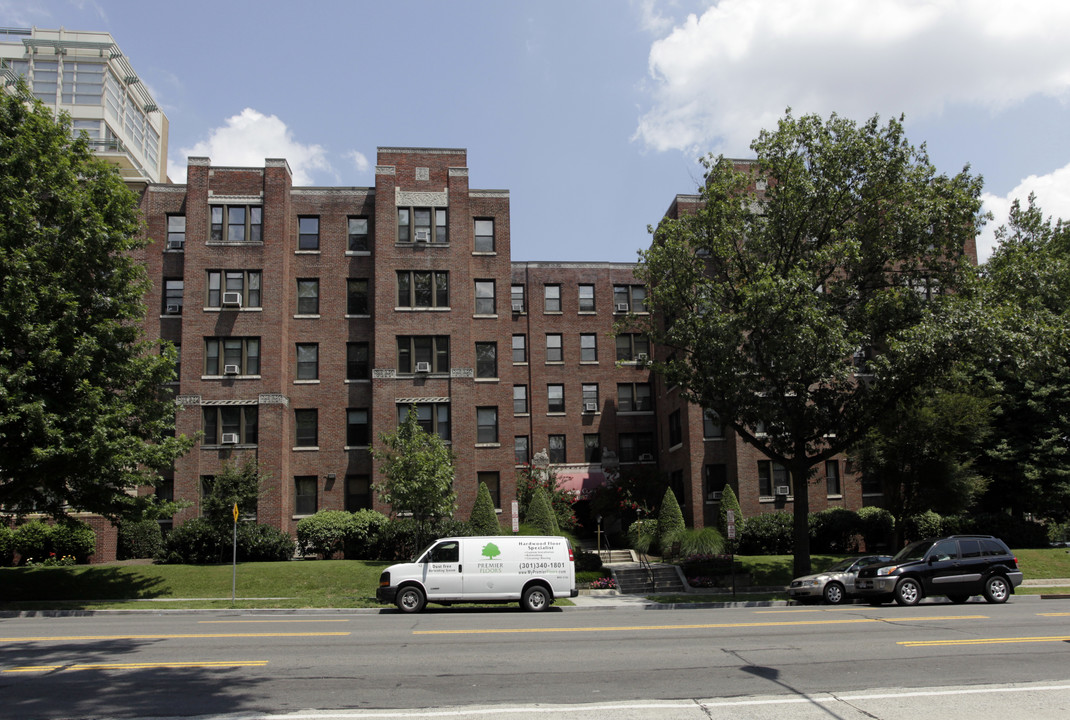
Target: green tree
484 520
540 514
812 288
671 524
528 478
241 484
83 418
417 470
729 501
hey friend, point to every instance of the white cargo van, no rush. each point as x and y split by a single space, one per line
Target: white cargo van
534 570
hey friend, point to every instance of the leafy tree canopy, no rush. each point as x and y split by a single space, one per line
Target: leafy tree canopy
240 484
83 419
812 287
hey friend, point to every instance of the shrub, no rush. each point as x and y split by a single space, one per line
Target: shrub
73 538
729 501
834 531
540 514
264 543
877 527
140 539
923 525
671 525
198 542
707 541
484 521
1057 533
768 534
33 540
704 565
400 538
7 546
324 533
365 528
587 561
643 535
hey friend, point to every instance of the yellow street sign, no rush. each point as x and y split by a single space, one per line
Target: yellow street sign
235 512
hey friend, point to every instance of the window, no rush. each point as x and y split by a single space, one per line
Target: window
358 366
487 425
308 296
676 436
634 397
413 350
232 356
173 290
552 298
358 493
520 348
414 225
711 425
555 398
358 233
306 428
557 448
521 452
305 491
832 477
590 397
586 298
716 477
358 427
432 417
486 360
225 423
308 232
423 289
516 297
242 223
308 361
630 346
226 286
676 482
772 475
635 447
588 347
592 448
357 296
553 348
629 298
520 399
484 235
176 232
485 297
494 485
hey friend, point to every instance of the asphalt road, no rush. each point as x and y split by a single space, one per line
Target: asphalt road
843 662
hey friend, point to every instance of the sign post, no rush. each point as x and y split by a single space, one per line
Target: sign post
234 574
516 517
730 517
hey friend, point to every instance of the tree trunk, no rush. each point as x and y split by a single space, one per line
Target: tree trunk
799 475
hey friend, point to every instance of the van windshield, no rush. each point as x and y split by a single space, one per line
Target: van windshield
423 552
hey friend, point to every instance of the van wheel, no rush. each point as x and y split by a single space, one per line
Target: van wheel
908 592
410 599
997 589
535 599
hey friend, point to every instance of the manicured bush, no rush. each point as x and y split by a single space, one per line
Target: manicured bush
729 501
540 514
198 542
33 540
643 536
710 565
7 546
264 543
768 534
365 528
928 524
484 521
835 530
73 538
671 525
324 533
587 561
877 527
140 539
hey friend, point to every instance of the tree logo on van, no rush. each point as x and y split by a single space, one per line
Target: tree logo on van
491 550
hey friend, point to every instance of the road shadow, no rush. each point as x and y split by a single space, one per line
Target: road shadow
60 584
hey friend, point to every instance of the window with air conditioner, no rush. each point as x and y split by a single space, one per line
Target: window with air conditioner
230 439
173 291
646 457
590 407
630 346
773 479
422 225
416 352
232 299
230 424
423 367
231 369
222 355
232 288
176 232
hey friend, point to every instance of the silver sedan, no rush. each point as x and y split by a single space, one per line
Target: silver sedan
836 584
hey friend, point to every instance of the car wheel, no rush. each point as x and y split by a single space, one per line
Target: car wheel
958 599
535 599
997 589
835 593
908 592
410 599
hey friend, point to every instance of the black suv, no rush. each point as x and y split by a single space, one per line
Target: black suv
957 566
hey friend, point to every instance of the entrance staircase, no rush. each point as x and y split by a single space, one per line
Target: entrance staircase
634 578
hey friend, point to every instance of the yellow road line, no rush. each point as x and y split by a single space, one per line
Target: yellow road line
138 666
982 641
227 622
708 626
1053 614
52 638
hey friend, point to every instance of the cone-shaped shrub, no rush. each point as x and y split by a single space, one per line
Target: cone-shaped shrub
729 501
484 520
670 522
540 514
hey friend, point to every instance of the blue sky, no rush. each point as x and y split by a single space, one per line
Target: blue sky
593 114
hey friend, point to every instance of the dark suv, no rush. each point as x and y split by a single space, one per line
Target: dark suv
957 566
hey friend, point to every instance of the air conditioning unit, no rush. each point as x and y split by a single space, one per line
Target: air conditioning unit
230 439
716 495
518 307
231 370
622 307
782 490
174 309
232 299
176 244
641 358
423 367
422 236
646 457
590 407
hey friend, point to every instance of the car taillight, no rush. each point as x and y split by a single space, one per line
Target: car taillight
571 557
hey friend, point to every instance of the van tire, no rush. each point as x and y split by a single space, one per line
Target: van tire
410 599
536 598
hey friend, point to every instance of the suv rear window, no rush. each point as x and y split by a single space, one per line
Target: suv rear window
993 546
970 548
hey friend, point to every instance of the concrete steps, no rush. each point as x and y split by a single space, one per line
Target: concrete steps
655 578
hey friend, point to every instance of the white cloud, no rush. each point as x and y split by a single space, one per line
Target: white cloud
246 139
359 160
650 17
719 78
1053 198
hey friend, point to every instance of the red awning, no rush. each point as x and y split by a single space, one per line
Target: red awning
580 482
